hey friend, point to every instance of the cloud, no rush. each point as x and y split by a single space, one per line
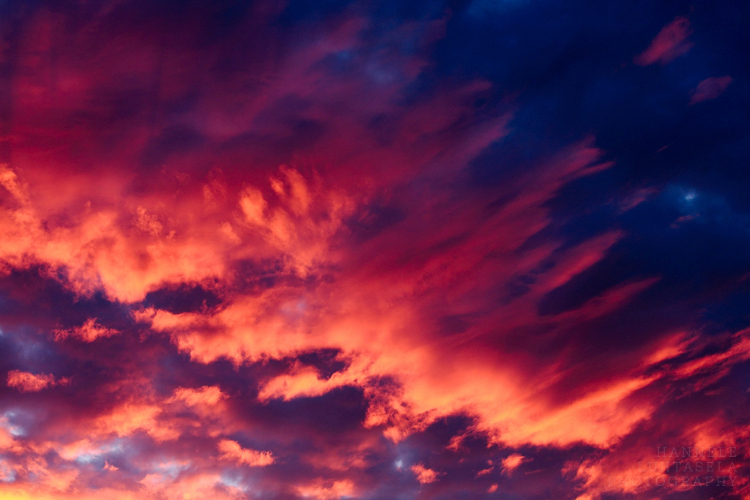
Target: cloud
670 43
511 462
710 88
88 332
388 251
231 450
424 475
29 382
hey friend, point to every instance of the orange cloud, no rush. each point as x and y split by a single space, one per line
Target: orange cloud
207 396
231 450
284 320
328 490
344 260
511 462
424 475
29 382
88 332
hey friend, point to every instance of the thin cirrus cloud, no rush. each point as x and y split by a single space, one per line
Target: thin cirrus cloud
270 250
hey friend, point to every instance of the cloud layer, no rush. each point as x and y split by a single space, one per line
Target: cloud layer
340 250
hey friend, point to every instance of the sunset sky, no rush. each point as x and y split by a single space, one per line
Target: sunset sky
381 249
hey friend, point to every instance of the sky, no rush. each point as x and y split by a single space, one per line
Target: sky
324 249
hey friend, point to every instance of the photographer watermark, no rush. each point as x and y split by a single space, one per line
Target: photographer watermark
685 467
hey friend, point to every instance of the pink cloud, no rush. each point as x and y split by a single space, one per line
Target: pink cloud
710 88
669 44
